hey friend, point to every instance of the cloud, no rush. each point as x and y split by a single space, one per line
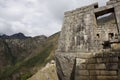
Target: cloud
36 17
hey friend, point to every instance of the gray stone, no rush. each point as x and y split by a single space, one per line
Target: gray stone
88 47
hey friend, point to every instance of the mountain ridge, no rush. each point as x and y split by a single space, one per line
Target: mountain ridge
25 56
18 36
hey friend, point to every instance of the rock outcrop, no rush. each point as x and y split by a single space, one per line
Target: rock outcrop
46 73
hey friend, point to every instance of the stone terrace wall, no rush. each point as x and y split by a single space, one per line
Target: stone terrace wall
89 66
103 66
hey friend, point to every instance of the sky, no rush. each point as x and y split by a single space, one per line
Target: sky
36 17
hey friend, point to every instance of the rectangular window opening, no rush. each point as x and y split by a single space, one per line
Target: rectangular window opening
105 16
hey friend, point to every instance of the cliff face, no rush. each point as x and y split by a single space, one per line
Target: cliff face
46 73
17 48
5 55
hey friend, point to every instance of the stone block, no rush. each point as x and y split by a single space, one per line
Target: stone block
96 66
99 55
102 73
108 73
91 61
112 66
85 55
81 77
107 60
100 60
80 61
93 73
112 60
92 77
91 66
100 66
81 67
82 72
80 64
107 77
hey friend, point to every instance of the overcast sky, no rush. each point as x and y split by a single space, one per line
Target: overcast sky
36 17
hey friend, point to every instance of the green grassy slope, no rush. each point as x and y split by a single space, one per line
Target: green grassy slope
46 73
26 68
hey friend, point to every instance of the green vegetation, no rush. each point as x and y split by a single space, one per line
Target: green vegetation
26 66
25 76
48 72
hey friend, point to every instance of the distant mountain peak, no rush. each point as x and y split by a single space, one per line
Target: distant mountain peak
14 36
19 36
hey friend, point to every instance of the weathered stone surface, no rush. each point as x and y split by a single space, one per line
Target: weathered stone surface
89 47
82 78
102 73
65 65
107 59
112 66
107 78
82 72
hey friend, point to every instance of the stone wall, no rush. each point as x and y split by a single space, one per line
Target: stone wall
88 47
112 2
102 66
89 66
77 24
80 28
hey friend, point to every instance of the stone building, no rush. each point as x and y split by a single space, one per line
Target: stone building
88 47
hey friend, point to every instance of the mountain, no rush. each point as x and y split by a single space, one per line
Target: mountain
21 56
14 36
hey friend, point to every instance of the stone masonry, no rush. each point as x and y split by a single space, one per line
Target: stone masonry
89 43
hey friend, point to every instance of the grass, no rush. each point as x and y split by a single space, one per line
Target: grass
49 73
38 60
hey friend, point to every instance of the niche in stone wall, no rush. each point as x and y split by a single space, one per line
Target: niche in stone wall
78 40
98 35
111 35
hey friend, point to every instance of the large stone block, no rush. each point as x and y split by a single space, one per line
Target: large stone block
107 60
82 78
100 66
102 73
65 66
82 72
81 67
107 77
96 66
91 61
84 55
112 66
